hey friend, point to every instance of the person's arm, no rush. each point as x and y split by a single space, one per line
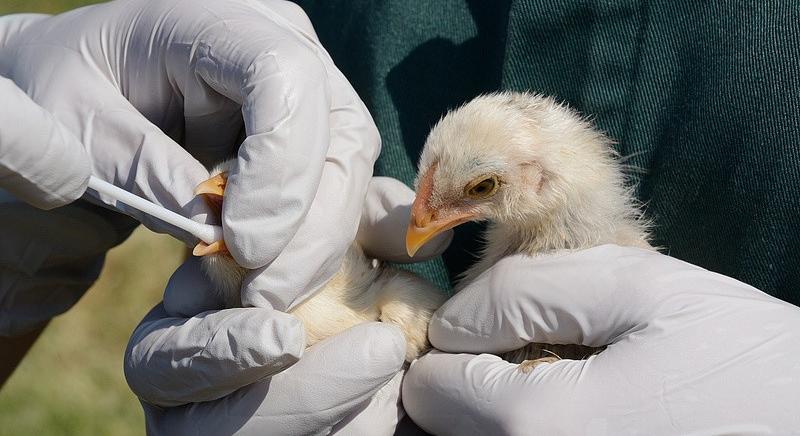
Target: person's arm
690 351
15 348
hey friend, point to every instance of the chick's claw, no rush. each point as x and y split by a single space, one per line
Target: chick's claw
213 190
529 365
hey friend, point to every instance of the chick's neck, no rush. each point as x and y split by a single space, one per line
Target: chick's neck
616 222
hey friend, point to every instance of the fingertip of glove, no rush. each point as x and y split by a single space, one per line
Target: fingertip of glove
282 339
384 347
244 242
442 334
244 255
188 291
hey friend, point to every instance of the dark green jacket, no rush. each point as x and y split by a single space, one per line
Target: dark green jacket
702 97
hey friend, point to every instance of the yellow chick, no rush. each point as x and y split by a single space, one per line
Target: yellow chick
542 176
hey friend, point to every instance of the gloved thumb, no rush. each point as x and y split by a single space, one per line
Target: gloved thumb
384 220
467 394
172 361
588 297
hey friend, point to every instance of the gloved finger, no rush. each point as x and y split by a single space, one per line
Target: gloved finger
382 232
589 297
380 416
41 162
190 291
172 361
214 124
467 394
330 226
280 81
334 378
12 24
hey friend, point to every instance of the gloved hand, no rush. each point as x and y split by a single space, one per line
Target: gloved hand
150 85
199 370
41 162
692 352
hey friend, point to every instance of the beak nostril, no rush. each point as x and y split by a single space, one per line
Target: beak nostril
422 219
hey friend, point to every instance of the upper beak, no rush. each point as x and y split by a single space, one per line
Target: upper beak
424 226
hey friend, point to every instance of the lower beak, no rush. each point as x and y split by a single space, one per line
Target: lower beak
417 236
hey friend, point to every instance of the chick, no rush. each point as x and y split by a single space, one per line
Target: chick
543 177
362 290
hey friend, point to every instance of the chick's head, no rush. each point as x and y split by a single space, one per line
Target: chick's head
509 158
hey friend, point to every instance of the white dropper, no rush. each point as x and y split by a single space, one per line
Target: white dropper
205 232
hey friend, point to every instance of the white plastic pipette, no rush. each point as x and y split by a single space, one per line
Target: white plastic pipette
205 232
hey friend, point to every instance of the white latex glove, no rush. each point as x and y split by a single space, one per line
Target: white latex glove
41 162
148 84
229 362
692 352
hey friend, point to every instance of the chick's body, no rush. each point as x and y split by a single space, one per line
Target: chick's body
362 290
544 178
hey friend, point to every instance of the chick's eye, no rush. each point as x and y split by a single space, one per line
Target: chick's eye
482 188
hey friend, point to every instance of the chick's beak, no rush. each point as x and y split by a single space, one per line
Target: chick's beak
424 225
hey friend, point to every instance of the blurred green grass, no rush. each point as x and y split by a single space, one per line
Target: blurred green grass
42 6
71 383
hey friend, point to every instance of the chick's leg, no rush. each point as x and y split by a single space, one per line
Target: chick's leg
212 191
220 267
